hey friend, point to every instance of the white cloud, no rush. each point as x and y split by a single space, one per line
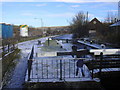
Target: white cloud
17 0
40 5
28 14
75 6
80 1
67 14
60 5
111 11
76 1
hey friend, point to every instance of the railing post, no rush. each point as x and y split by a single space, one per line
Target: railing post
92 73
29 68
100 68
60 69
92 64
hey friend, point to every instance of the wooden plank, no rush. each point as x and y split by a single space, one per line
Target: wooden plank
80 52
105 51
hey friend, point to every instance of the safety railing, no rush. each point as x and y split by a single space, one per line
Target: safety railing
30 60
103 61
58 68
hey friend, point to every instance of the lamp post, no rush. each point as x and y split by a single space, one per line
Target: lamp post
40 21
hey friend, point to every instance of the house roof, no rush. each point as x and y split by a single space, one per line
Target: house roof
115 24
95 19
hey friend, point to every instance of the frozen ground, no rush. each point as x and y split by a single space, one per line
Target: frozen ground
18 75
48 65
44 68
49 68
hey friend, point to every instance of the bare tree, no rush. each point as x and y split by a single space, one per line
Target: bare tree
111 18
78 24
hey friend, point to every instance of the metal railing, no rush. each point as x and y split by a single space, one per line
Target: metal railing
56 68
103 61
62 67
30 60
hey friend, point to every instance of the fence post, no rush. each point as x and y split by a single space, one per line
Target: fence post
92 73
100 69
92 64
60 69
29 68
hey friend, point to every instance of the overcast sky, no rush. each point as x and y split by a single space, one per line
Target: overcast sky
53 13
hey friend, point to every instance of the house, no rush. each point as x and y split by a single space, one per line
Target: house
117 24
95 27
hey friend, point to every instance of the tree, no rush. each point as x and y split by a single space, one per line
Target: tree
112 33
111 18
79 24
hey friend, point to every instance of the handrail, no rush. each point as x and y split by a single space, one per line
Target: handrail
103 61
30 58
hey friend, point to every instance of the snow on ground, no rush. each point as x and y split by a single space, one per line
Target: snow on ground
27 45
92 45
106 70
18 75
66 46
49 67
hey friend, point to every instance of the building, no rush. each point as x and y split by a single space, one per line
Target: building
6 31
95 27
119 10
117 24
24 30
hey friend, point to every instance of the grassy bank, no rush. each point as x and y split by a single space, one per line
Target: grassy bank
7 60
8 64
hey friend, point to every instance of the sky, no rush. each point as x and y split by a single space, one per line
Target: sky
53 13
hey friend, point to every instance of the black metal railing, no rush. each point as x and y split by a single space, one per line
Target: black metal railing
30 60
56 68
103 61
